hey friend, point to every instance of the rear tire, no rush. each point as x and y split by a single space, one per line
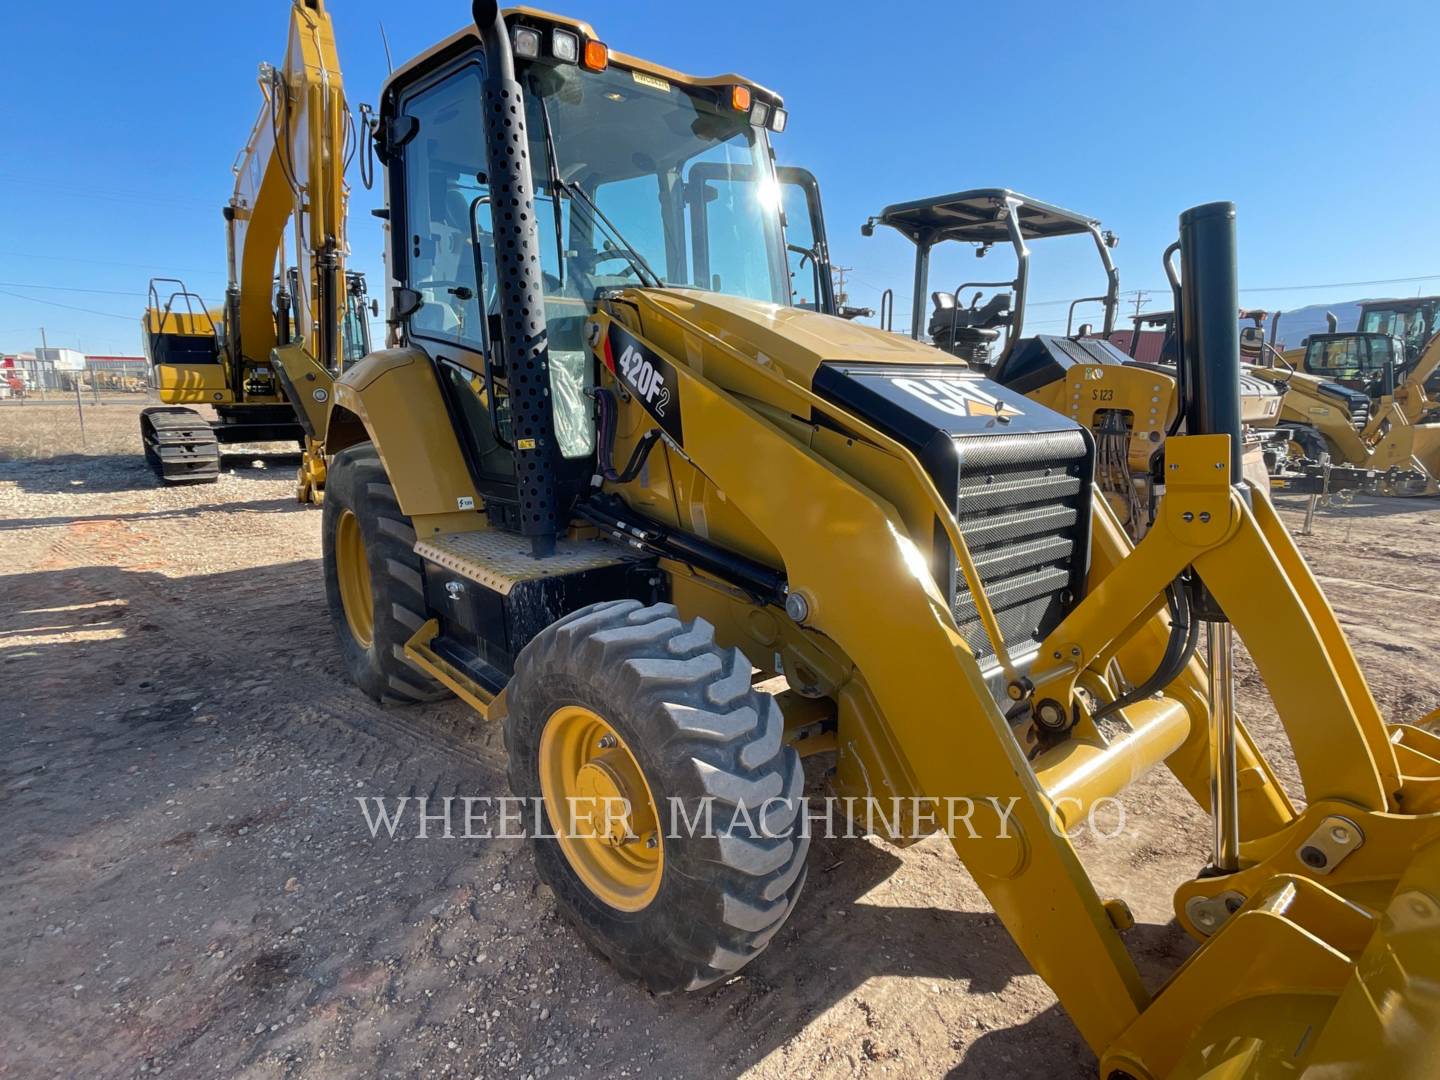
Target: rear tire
684 709
1311 445
374 581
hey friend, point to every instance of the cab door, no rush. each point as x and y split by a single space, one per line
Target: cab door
807 250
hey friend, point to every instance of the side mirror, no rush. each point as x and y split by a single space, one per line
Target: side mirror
1252 341
404 303
375 308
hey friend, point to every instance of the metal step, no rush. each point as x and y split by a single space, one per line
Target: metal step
501 560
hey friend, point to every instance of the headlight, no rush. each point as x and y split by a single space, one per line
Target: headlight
565 46
778 120
527 42
759 114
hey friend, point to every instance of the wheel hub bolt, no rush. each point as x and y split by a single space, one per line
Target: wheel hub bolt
607 741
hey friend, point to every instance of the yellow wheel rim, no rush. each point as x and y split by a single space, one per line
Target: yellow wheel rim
589 779
353 572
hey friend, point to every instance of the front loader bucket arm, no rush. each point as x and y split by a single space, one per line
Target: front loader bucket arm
1299 931
912 659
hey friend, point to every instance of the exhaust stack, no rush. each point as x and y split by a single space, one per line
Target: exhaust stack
1210 326
524 345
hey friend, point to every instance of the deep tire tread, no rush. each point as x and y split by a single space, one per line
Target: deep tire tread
687 709
357 482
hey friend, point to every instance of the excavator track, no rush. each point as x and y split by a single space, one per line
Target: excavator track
180 446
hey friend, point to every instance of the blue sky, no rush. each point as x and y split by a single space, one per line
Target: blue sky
1320 121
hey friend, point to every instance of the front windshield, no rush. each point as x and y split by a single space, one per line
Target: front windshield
684 179
650 183
1414 324
1350 357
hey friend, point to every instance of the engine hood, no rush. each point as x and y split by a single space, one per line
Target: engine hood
795 340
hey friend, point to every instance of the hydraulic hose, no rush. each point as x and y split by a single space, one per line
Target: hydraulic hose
605 442
1179 650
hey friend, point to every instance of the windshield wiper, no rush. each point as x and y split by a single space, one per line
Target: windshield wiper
643 269
556 186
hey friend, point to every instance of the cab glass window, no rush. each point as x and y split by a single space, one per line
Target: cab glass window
442 162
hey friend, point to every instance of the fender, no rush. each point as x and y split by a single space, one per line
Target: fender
393 398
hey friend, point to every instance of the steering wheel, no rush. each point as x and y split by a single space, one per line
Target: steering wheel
587 262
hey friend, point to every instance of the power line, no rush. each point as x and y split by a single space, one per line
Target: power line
110 195
1345 284
109 262
68 307
67 288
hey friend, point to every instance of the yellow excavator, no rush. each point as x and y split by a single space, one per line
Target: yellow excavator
290 175
611 476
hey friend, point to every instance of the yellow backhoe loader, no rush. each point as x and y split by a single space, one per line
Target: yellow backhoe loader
1345 404
1129 407
612 475
290 175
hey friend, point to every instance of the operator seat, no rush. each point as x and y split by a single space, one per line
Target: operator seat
968 332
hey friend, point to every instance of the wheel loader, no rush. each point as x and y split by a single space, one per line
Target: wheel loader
289 175
1129 407
612 476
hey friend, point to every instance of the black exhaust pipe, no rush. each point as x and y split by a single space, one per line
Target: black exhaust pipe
1210 325
524 345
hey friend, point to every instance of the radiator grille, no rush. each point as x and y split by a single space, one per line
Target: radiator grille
1360 413
1021 503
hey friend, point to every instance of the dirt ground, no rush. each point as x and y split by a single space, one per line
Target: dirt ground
188 887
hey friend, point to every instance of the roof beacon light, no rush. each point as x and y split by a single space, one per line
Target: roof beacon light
740 98
526 41
597 56
564 46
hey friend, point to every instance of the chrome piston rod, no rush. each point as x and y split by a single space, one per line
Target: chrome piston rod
1224 777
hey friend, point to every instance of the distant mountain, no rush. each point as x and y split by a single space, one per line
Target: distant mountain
1300 323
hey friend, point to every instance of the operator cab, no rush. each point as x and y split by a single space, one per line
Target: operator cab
987 332
641 177
1414 321
1357 361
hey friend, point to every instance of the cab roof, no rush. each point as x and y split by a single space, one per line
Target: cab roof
977 217
536 17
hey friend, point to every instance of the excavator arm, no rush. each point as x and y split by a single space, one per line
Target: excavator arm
291 176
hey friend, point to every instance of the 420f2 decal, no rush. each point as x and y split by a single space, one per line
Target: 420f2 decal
648 376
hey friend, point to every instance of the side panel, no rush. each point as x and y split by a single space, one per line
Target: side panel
192 384
396 397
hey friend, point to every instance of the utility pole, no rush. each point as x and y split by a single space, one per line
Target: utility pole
841 296
39 369
1141 297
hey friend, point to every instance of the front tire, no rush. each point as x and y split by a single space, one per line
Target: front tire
374 581
622 697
